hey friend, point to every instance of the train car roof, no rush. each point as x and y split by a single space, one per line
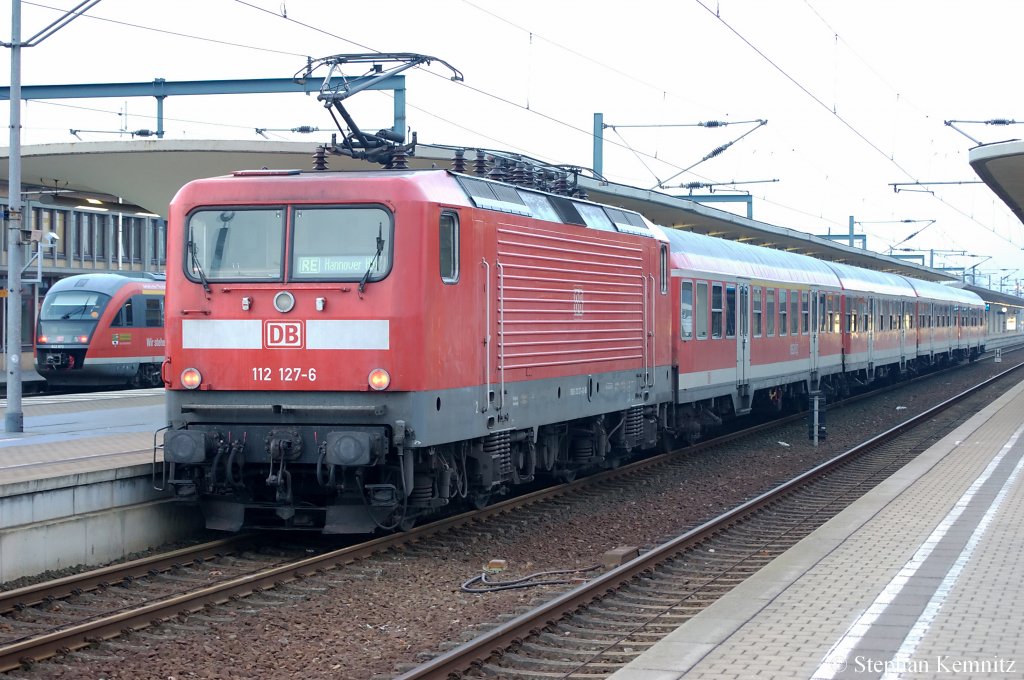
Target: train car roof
718 256
937 291
106 283
871 281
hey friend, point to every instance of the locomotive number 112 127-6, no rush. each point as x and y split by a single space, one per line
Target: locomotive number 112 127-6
283 374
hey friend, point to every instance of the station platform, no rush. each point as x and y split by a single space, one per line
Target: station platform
920 578
81 433
77 486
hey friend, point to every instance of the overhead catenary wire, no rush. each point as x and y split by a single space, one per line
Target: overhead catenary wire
285 16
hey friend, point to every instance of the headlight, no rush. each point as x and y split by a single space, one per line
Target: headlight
190 378
379 379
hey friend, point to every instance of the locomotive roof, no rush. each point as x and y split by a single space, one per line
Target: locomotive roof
718 256
102 282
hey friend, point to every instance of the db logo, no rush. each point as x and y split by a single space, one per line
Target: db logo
282 334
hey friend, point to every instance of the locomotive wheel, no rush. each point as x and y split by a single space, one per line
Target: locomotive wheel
479 501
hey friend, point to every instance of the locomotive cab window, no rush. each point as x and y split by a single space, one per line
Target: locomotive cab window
342 244
448 242
234 245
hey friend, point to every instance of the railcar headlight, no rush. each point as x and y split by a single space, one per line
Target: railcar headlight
190 378
43 340
84 339
379 379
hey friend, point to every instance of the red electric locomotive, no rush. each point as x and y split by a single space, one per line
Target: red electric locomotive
102 330
352 351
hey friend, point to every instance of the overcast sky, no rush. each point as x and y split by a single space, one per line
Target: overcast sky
855 94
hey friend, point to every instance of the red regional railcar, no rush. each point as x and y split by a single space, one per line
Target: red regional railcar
102 330
351 351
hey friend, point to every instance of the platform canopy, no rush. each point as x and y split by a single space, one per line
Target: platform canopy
146 173
1001 167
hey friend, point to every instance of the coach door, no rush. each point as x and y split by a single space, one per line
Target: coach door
901 309
740 293
815 295
869 329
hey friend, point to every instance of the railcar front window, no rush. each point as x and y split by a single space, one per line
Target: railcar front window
73 305
69 315
235 245
341 244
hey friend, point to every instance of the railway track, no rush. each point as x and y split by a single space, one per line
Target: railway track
66 615
598 627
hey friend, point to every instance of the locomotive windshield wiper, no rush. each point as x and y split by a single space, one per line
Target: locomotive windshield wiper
376 257
198 267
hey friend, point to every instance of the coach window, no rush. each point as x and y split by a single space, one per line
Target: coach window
794 312
686 310
716 310
769 309
783 312
449 247
805 312
701 310
730 310
757 311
